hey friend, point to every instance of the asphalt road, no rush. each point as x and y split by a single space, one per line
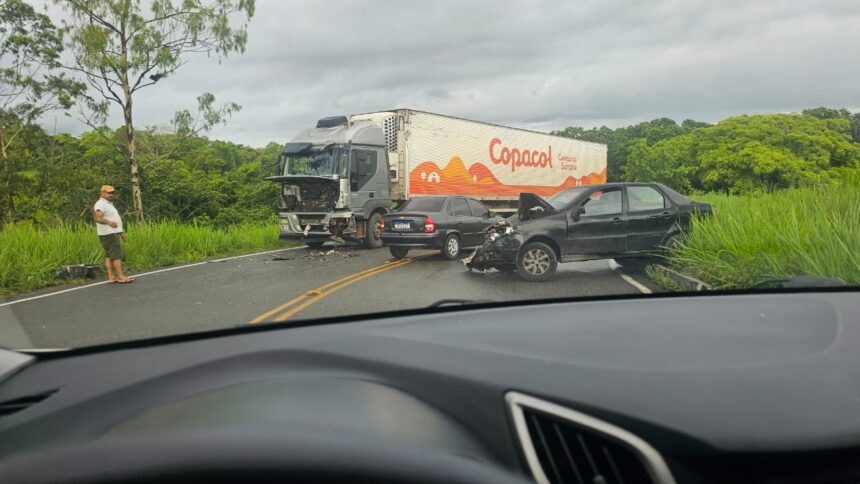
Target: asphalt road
282 286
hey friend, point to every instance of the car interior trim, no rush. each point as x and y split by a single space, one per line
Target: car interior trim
657 468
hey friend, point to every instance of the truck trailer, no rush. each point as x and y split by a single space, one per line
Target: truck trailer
339 178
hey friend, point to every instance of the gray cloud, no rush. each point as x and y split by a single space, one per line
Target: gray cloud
535 64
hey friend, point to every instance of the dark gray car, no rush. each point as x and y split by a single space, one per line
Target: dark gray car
608 221
448 223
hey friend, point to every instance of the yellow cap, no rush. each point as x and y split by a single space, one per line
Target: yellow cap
108 188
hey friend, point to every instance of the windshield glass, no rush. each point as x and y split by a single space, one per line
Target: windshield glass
423 205
328 162
257 170
563 198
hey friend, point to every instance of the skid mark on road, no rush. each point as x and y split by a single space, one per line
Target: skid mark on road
293 306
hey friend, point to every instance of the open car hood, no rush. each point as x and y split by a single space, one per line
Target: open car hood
532 206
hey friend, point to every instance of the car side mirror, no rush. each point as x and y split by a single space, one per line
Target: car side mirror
489 215
578 212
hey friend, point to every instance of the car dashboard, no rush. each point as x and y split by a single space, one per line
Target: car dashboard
710 388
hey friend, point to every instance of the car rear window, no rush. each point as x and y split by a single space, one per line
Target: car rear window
644 198
460 208
429 204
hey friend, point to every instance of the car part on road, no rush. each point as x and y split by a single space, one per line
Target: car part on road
399 252
536 262
452 247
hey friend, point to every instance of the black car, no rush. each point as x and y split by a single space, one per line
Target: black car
608 221
447 223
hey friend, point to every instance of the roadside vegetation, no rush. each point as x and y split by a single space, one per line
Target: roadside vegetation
30 255
801 231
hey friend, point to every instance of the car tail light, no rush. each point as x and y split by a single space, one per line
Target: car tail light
382 225
429 226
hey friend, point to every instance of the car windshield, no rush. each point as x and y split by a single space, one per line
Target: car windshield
563 198
423 205
176 167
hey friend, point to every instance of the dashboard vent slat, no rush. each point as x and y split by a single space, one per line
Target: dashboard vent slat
562 445
18 404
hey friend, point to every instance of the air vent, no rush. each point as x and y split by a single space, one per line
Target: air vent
389 128
12 406
562 445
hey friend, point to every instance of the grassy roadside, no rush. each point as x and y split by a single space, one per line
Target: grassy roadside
803 231
29 256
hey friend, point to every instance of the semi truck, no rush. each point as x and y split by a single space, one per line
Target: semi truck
338 178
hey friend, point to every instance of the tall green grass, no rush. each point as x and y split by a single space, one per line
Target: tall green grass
804 231
29 256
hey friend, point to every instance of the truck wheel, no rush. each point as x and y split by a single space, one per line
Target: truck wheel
536 262
372 238
451 250
398 252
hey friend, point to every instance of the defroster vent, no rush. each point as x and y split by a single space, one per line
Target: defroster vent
9 407
562 445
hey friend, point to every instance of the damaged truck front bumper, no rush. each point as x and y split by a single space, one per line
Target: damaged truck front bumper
318 227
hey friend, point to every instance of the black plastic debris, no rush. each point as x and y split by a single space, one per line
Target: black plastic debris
78 271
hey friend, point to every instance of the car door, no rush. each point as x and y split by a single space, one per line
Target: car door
598 225
464 221
481 219
650 215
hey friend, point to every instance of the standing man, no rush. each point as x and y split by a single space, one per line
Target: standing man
109 226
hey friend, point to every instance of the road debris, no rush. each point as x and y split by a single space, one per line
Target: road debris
337 253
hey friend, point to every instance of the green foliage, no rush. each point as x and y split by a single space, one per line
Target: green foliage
802 231
746 153
30 49
30 255
120 48
186 179
620 142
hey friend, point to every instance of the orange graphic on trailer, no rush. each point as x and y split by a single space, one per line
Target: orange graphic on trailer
428 179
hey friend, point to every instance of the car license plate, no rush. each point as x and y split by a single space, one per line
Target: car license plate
402 225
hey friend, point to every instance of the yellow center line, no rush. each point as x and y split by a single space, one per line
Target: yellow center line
287 315
316 293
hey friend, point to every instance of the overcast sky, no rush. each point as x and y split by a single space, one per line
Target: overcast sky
535 64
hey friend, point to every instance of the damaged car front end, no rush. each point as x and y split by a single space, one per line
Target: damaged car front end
503 241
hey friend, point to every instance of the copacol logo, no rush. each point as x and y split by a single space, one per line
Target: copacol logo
516 157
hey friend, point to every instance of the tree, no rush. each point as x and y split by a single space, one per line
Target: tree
747 153
620 141
120 50
30 47
829 113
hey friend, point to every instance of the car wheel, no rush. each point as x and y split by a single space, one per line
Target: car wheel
670 244
398 252
314 245
372 238
536 262
452 247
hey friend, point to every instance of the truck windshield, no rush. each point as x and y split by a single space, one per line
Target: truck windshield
327 162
